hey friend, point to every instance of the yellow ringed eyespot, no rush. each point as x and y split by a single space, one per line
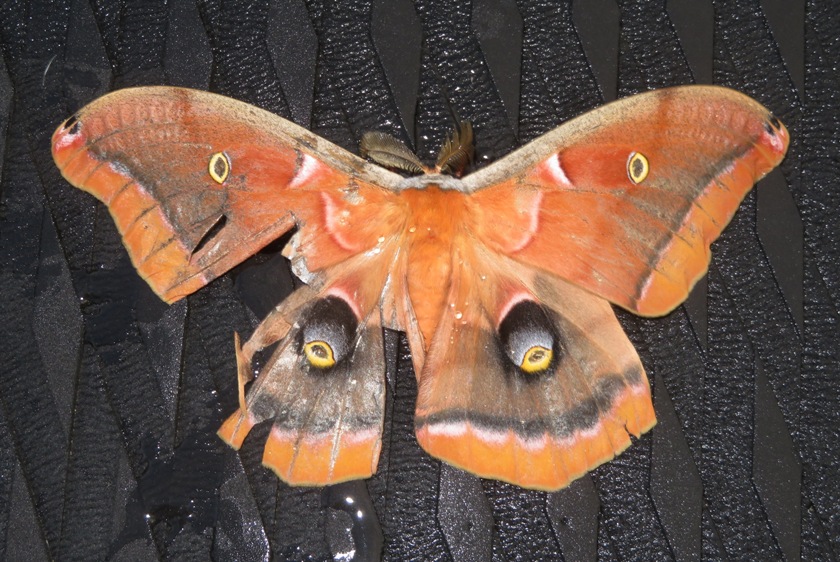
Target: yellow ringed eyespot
319 354
637 167
219 167
536 359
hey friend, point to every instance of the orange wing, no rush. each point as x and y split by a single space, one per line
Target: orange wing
197 182
528 377
625 200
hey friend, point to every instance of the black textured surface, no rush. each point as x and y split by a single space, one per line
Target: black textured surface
109 400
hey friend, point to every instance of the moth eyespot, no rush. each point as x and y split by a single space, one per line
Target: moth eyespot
637 167
772 124
328 332
319 354
537 359
529 339
219 167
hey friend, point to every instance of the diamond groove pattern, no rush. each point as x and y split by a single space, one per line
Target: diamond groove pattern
107 445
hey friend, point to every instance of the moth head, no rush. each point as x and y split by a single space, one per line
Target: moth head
454 156
328 332
529 340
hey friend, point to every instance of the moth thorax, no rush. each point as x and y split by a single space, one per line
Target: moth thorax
529 339
328 332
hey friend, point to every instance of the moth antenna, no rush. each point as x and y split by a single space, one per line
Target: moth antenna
387 151
458 150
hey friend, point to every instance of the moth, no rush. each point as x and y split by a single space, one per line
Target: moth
502 280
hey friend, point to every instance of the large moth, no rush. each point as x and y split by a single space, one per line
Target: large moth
502 279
